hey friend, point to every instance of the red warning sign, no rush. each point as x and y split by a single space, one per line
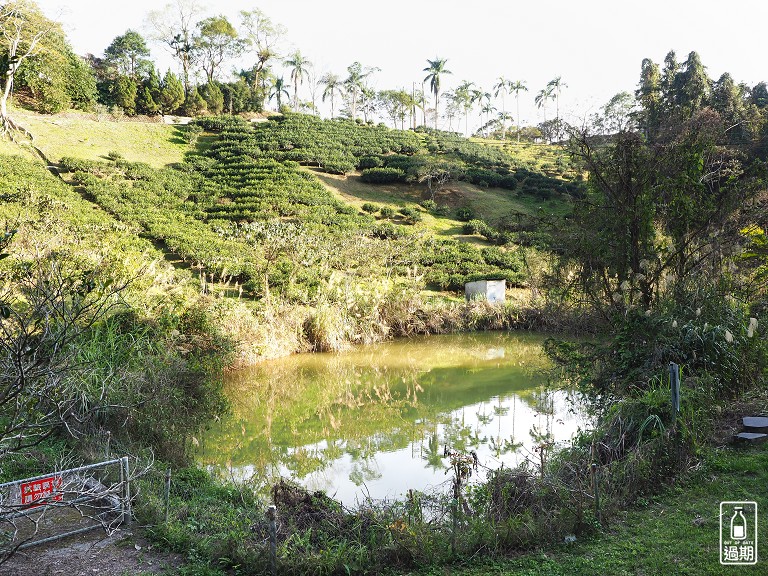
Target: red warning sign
48 489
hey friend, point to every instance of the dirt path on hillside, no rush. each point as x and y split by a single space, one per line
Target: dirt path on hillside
121 554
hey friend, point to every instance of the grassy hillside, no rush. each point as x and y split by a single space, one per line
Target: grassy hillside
89 137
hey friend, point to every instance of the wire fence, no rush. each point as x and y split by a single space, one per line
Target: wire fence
63 503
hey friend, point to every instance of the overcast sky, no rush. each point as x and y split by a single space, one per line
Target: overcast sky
595 45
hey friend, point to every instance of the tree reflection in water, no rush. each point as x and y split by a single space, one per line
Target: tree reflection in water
380 416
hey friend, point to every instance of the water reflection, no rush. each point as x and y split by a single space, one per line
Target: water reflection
375 421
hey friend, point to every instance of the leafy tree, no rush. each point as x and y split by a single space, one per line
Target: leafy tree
435 173
298 65
173 26
26 36
213 96
194 104
81 83
759 95
145 102
435 69
333 86
128 55
262 38
216 42
368 103
617 115
395 103
171 93
657 215
238 96
124 95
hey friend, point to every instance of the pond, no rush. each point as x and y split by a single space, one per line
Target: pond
375 421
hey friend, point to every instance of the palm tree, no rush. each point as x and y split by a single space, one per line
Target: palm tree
503 86
435 68
464 93
555 85
279 87
333 86
488 109
354 82
516 87
298 65
542 97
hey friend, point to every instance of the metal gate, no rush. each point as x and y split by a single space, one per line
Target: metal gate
63 503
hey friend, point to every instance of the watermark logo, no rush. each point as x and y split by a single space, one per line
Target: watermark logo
738 533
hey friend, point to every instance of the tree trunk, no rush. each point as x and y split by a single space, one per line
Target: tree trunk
437 107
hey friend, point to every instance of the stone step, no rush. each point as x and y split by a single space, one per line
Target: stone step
751 437
755 424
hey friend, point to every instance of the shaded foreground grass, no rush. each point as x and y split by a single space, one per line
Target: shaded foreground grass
676 532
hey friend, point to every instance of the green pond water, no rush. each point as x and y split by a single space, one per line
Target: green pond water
375 421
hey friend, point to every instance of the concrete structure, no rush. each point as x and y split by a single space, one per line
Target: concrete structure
494 291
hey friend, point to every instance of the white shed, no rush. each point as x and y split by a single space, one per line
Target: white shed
492 291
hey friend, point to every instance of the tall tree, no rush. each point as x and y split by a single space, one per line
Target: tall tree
729 101
502 86
333 86
557 85
487 108
396 104
171 93
355 83
518 86
128 54
435 68
759 95
670 84
542 97
279 88
299 67
695 85
173 26
216 42
463 94
263 38
649 95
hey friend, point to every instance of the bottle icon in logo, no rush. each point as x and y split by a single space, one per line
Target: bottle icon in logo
738 524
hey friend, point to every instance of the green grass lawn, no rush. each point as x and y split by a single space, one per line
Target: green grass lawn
82 136
676 533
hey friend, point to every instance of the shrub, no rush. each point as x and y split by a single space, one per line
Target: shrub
370 208
430 205
369 162
382 175
410 215
387 212
465 213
